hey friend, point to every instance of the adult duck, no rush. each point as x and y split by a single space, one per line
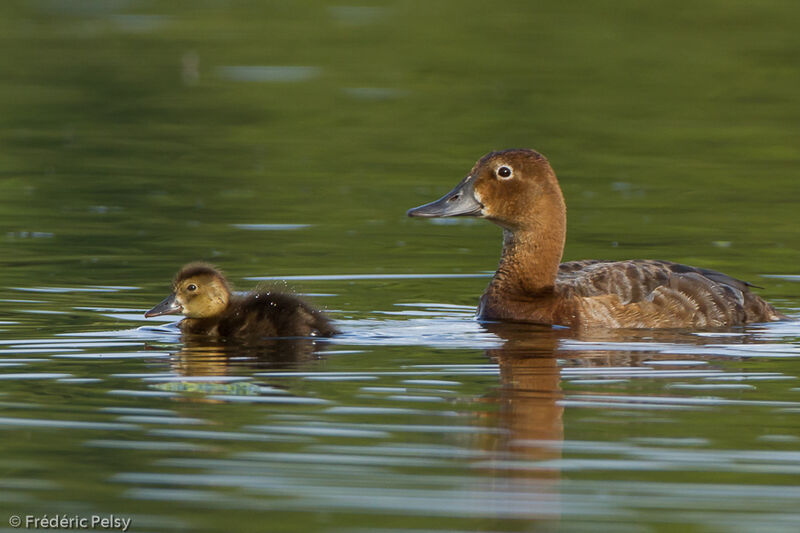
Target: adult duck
202 294
518 191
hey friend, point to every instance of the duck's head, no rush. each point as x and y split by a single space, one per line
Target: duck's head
512 188
198 291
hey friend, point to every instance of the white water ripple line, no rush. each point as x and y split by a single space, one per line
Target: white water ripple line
355 277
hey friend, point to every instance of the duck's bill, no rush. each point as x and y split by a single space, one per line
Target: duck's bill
169 306
460 202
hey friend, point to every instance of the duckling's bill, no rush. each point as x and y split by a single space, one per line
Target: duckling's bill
460 202
169 306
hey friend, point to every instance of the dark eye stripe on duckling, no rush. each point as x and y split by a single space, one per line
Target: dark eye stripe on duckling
531 285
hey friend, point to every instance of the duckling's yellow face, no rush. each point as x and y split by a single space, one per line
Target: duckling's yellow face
200 296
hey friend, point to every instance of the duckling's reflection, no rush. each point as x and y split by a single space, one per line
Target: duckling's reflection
204 356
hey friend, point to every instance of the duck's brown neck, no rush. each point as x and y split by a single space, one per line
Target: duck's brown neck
533 250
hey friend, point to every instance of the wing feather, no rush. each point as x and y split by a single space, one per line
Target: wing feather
669 291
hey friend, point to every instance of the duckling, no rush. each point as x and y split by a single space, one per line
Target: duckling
518 190
203 295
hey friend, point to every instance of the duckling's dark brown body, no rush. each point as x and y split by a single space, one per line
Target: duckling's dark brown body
518 190
264 314
202 294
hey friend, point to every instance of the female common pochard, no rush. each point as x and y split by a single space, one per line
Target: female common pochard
518 191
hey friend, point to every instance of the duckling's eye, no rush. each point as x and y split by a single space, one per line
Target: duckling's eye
504 172
192 287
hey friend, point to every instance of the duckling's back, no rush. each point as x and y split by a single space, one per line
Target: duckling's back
274 314
264 314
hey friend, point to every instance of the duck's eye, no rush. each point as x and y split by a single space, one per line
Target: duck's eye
504 172
191 287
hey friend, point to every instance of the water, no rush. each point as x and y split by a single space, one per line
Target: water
285 141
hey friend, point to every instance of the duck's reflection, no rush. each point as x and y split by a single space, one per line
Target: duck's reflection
530 386
531 359
530 393
530 413
530 410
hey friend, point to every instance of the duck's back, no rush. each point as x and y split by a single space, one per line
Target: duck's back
651 293
265 314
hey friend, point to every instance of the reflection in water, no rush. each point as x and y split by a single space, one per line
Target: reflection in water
530 387
533 361
203 356
416 426
218 368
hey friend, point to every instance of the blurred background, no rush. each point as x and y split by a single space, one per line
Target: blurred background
137 135
287 140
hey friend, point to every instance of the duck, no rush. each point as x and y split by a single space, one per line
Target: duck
518 190
203 295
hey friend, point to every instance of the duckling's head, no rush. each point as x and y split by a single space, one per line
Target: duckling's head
198 291
512 188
